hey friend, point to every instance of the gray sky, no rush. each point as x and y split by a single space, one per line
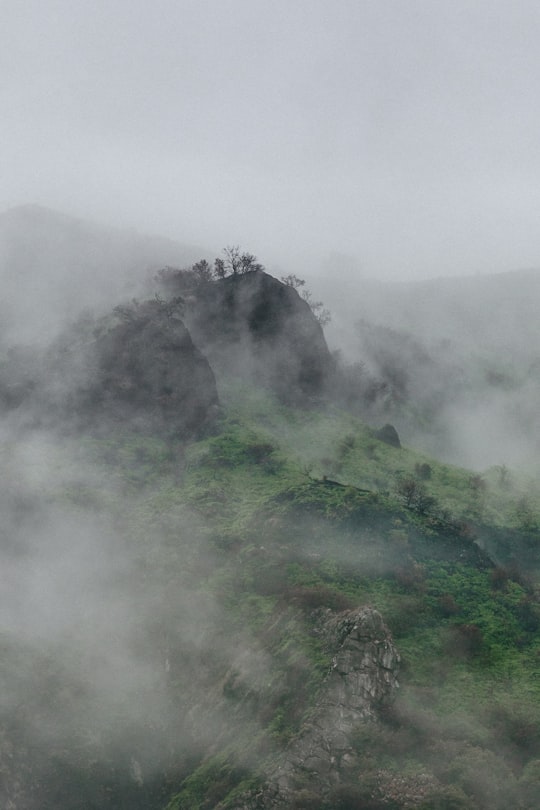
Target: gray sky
401 133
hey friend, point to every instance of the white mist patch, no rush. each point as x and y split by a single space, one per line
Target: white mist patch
115 653
497 428
53 266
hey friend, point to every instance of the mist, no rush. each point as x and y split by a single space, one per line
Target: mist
403 137
112 646
385 153
123 624
352 145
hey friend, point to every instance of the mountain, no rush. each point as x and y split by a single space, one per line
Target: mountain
53 265
226 590
493 313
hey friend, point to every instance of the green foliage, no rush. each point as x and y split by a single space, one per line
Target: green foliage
212 782
254 518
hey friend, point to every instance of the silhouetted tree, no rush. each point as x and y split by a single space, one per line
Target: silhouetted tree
236 263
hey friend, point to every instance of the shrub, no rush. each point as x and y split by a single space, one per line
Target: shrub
415 495
446 798
483 776
499 578
423 471
346 445
319 596
465 640
447 605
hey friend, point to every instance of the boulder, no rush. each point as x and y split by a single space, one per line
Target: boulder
256 327
389 435
150 371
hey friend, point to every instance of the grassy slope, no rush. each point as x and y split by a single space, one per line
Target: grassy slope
290 512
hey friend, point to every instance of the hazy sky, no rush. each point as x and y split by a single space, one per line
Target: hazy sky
402 133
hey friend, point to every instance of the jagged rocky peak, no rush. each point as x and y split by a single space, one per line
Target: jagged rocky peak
255 326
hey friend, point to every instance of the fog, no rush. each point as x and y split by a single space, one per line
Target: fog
458 356
112 651
401 135
119 653
385 152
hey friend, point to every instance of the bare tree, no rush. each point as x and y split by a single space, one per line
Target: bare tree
236 263
317 307
292 281
415 495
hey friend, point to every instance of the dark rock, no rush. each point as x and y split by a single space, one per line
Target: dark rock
254 326
140 369
149 370
389 435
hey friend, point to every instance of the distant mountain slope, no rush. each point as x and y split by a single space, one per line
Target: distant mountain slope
475 313
53 265
457 360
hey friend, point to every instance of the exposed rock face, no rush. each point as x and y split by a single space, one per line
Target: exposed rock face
150 370
362 678
255 326
143 370
389 435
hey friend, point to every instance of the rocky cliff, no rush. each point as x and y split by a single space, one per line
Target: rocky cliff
138 368
153 364
361 680
253 325
150 371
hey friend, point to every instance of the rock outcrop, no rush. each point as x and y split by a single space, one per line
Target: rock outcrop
153 365
389 435
257 327
361 680
150 371
139 369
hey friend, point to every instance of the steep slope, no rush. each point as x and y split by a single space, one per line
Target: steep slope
361 681
150 372
459 622
140 362
205 614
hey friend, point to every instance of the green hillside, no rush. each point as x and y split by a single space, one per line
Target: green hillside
192 618
275 517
